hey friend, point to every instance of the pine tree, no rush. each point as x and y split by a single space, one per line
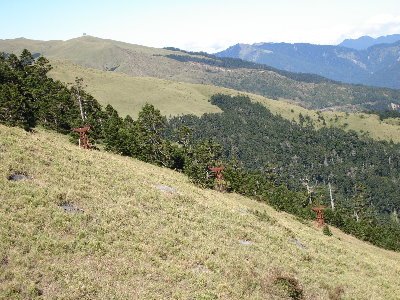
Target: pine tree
26 59
15 109
198 159
360 203
111 127
152 146
128 137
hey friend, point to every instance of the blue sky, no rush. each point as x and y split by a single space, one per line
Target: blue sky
200 25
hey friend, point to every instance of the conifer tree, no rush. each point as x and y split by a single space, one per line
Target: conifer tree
111 127
128 137
152 146
198 159
15 109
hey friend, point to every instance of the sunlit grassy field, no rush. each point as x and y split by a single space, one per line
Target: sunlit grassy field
130 230
128 94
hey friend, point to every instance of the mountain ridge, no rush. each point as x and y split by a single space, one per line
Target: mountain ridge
366 41
368 67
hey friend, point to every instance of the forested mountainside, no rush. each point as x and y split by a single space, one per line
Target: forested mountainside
359 172
309 90
378 65
297 152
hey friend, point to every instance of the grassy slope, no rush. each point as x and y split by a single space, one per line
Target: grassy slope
128 94
134 241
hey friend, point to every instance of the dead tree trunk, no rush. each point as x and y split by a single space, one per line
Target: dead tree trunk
77 91
309 190
331 197
80 106
356 216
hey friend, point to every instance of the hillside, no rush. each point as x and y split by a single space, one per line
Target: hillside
377 65
92 225
309 90
128 94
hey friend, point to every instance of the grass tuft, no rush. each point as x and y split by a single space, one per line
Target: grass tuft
290 286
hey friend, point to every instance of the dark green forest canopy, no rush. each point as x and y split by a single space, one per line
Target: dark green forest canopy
298 154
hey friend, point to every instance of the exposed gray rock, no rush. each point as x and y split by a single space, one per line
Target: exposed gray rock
200 268
166 189
18 177
297 243
70 208
245 242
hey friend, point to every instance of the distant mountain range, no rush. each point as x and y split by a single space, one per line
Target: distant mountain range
378 65
365 42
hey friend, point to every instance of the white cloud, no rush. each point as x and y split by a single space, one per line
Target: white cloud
379 25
